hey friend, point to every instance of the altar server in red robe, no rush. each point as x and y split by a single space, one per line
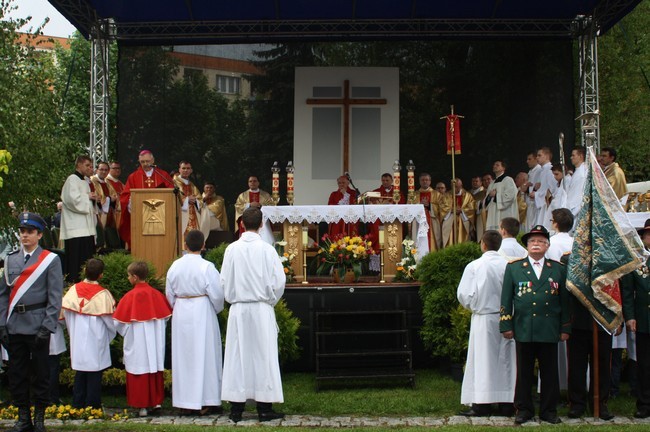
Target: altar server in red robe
141 317
147 176
344 195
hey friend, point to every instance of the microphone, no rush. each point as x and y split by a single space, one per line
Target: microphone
347 174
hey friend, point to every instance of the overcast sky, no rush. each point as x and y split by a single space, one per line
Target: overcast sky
39 10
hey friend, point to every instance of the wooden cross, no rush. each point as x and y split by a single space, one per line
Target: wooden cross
346 101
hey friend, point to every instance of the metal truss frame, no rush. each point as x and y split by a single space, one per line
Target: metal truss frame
99 93
588 66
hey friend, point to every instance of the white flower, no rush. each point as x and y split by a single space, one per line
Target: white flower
281 243
283 259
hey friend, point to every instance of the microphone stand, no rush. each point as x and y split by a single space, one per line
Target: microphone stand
176 193
363 203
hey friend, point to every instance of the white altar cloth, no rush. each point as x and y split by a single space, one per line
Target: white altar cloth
314 214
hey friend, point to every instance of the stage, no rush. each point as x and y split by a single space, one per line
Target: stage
361 308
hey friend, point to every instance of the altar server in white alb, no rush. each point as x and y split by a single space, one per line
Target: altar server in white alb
501 197
141 317
194 291
490 372
253 282
88 310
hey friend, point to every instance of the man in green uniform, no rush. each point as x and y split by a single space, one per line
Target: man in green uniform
636 311
535 312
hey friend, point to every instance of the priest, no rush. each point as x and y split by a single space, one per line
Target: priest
253 197
463 219
501 197
213 213
113 178
147 176
344 195
190 198
430 199
107 196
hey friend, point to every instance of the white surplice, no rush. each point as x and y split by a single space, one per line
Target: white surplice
511 249
531 208
194 290
547 184
504 204
90 338
149 338
490 371
575 191
253 281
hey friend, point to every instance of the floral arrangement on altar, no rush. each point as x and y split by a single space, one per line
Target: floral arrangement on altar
407 266
286 259
342 253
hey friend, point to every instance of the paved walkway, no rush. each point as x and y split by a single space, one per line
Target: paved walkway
250 419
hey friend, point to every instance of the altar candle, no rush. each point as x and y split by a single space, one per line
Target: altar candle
305 236
381 236
396 180
289 182
275 186
411 181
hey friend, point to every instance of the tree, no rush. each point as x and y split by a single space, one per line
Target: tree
30 124
624 74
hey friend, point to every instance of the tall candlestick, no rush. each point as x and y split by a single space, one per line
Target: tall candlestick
396 181
275 183
290 170
410 169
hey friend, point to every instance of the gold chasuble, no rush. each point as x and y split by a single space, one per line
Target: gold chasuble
465 217
616 178
523 207
430 199
243 202
190 217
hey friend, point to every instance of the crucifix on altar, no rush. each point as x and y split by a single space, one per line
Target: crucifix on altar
345 120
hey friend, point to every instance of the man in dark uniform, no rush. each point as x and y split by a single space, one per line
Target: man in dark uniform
30 301
535 312
636 311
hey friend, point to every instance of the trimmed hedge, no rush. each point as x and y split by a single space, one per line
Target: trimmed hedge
440 273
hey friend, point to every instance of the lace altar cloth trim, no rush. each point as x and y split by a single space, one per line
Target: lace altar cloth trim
355 213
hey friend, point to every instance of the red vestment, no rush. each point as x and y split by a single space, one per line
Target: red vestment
139 180
341 227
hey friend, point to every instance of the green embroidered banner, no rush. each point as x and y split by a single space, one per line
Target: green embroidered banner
606 246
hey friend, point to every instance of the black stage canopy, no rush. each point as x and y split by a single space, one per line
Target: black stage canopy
163 22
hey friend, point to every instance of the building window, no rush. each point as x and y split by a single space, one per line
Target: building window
228 84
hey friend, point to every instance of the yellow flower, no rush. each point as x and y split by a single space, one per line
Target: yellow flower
349 247
400 268
414 251
286 270
286 254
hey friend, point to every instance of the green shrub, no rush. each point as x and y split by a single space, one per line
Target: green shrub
440 273
114 278
460 319
215 255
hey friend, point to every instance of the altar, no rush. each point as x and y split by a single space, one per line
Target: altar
294 219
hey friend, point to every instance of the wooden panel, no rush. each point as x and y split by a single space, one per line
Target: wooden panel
293 236
393 237
159 249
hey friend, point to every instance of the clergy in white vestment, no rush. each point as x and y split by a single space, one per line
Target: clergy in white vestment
510 248
533 178
253 282
88 310
500 197
141 317
490 371
194 291
556 198
546 183
575 190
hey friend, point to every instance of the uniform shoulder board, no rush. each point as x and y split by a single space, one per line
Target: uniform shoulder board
555 261
514 260
13 252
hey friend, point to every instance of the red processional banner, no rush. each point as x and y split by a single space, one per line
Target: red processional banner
453 134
